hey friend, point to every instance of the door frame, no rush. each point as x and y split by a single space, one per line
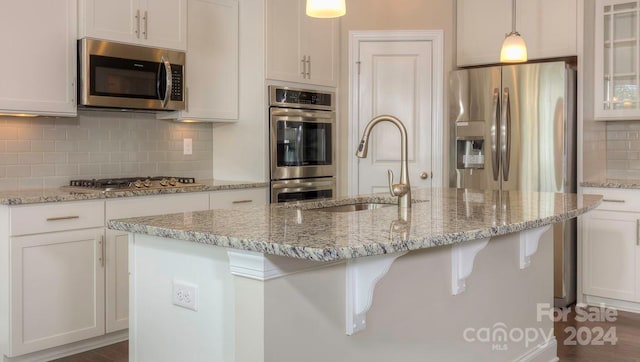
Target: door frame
437 96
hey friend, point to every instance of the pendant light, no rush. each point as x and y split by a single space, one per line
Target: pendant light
514 49
326 8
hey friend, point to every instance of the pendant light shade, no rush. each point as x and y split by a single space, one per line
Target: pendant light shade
514 49
326 8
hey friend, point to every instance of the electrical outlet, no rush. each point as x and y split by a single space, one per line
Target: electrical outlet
185 295
188 146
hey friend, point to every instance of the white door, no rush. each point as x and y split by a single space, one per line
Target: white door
395 79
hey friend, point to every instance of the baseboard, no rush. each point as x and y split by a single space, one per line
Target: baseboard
71 348
547 352
612 303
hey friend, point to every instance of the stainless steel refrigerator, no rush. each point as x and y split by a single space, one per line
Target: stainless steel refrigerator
513 127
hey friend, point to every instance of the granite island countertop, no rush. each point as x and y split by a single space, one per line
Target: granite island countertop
44 195
302 230
613 184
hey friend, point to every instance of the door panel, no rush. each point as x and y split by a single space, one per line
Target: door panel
395 79
537 102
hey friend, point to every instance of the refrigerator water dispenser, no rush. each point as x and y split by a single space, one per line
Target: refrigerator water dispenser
470 153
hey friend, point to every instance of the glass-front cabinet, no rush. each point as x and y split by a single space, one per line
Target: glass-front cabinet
617 68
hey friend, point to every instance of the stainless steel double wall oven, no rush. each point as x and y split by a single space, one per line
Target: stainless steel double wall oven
302 126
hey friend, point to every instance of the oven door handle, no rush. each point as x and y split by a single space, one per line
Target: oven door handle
302 115
301 186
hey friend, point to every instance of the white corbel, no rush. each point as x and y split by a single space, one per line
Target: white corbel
462 257
362 275
529 240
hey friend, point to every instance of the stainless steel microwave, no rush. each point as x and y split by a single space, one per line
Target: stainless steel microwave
114 75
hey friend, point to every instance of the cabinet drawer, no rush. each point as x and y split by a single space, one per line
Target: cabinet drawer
616 199
238 198
156 205
57 216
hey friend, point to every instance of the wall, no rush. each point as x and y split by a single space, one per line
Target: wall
623 150
48 152
389 15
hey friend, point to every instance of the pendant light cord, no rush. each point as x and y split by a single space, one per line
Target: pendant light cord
513 20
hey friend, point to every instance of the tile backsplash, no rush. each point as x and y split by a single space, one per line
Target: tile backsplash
623 150
48 152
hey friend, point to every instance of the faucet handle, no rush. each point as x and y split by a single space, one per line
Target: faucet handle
396 189
390 174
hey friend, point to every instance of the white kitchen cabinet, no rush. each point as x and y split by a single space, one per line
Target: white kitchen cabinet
549 28
238 198
617 73
212 62
53 280
117 275
39 63
611 249
155 23
300 48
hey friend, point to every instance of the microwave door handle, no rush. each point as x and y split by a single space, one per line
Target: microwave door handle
168 81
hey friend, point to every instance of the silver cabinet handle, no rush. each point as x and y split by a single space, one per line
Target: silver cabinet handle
241 202
103 250
304 66
59 218
309 67
146 20
612 200
137 17
638 232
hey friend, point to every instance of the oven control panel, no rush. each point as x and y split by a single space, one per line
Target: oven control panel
300 98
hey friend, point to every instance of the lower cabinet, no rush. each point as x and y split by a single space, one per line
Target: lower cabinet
57 289
611 250
64 277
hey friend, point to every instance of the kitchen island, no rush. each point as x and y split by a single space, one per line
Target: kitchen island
463 275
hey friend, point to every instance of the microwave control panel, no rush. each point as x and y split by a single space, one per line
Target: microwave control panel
176 82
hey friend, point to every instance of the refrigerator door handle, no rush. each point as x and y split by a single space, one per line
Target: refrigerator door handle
495 157
505 134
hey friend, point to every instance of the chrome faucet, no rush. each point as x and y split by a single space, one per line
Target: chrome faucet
402 189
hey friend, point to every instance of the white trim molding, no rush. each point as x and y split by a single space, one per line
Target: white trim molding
529 240
462 257
362 276
258 266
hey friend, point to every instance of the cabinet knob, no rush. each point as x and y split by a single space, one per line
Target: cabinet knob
424 175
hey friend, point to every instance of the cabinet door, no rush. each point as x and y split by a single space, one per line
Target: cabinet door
549 27
39 63
319 42
115 20
284 57
617 76
481 27
117 280
610 242
212 62
164 23
57 289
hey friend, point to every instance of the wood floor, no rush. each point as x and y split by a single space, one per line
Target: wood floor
627 348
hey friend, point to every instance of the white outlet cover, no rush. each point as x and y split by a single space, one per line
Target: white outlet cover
185 295
188 146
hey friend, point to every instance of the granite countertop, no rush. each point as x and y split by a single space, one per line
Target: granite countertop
437 217
61 194
613 184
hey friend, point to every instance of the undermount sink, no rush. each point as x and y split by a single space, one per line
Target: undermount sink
354 207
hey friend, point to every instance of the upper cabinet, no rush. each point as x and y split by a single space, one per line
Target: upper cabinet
549 27
212 62
39 57
299 48
156 23
616 48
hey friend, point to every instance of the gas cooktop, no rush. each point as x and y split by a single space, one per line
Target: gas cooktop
132 183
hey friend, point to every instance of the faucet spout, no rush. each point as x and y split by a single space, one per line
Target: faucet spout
401 189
